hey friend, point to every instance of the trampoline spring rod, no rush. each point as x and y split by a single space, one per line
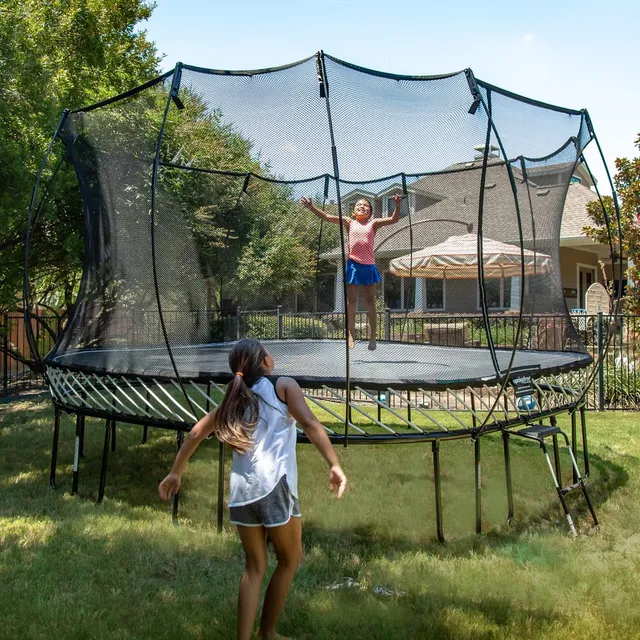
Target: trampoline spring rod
414 406
334 414
388 408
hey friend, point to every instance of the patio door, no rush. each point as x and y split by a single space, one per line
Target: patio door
586 277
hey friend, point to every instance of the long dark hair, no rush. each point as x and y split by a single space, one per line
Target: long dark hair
237 415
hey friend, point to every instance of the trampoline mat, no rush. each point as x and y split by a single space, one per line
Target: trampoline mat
314 363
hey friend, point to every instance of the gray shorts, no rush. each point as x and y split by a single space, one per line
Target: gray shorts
274 510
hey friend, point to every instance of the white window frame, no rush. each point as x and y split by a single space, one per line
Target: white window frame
501 307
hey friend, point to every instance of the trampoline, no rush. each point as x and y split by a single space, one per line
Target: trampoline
399 365
195 237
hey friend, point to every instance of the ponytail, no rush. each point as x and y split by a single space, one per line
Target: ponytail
236 417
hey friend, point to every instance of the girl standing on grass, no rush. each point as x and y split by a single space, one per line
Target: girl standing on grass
361 268
257 419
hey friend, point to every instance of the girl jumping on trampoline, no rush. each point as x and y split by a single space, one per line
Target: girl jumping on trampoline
361 269
257 419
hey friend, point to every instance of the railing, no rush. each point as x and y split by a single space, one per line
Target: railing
616 386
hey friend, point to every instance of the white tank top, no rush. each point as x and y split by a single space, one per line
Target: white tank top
273 452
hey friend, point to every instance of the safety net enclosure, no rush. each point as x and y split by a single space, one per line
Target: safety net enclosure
220 205
215 207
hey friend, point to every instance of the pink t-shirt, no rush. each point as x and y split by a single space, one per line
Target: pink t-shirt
361 238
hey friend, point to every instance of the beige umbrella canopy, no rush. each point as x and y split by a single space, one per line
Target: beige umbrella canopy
457 258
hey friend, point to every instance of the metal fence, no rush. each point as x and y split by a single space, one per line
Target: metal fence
616 384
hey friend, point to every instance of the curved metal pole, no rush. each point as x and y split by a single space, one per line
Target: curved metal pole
324 92
27 250
154 184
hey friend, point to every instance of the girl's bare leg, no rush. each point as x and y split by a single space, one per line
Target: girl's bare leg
287 543
352 305
254 543
372 316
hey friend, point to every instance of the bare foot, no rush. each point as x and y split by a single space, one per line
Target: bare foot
352 342
275 636
372 344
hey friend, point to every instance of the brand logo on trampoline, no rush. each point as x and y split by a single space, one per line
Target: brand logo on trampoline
522 380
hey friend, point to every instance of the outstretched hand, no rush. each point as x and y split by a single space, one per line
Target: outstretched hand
169 486
397 199
307 203
337 480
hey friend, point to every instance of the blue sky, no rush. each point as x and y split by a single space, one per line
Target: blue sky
575 54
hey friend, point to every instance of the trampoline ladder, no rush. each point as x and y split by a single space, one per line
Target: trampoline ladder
538 433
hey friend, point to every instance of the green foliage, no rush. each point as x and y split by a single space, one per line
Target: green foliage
54 55
277 263
122 570
626 240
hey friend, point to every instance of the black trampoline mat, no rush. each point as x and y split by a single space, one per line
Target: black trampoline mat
318 362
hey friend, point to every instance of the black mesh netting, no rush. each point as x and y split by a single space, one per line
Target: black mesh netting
196 236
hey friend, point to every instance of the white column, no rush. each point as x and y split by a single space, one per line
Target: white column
515 293
421 294
339 295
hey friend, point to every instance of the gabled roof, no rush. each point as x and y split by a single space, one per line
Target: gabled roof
457 212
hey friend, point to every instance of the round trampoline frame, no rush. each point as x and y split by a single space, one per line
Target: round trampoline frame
158 401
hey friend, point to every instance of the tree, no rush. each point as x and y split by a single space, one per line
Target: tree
627 185
54 55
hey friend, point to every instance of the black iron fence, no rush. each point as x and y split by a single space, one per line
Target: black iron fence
616 385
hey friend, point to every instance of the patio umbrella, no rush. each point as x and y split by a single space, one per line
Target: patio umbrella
457 258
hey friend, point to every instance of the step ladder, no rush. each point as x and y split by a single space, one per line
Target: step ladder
538 433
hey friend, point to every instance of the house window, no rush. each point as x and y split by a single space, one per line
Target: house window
390 205
576 179
434 290
399 293
497 292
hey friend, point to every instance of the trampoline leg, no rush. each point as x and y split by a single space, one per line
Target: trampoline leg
585 448
54 449
105 459
144 434
176 497
76 453
574 442
507 469
220 507
81 445
435 448
113 435
556 459
478 477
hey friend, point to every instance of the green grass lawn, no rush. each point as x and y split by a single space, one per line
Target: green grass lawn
71 568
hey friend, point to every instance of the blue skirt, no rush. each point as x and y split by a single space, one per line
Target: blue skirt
358 273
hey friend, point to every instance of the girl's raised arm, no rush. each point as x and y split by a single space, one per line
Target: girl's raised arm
383 222
308 204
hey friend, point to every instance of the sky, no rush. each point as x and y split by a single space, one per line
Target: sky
569 53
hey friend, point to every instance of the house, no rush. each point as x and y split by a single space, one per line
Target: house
446 204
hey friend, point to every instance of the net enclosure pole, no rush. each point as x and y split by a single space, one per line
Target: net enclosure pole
324 93
27 249
172 98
